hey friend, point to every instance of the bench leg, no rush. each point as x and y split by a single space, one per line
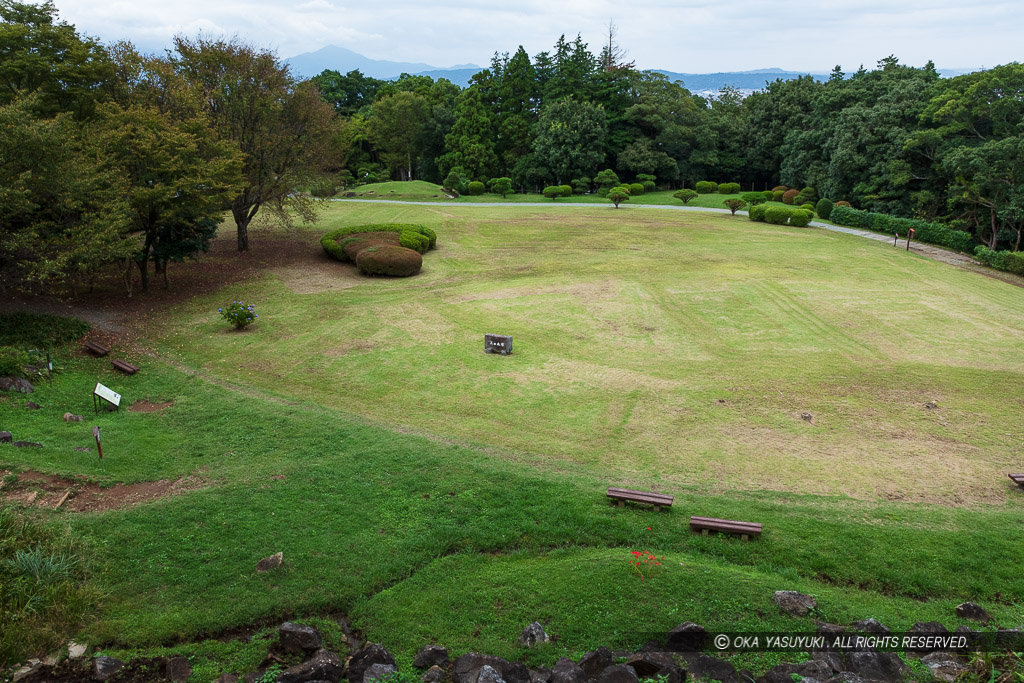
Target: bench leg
657 508
704 532
620 503
745 537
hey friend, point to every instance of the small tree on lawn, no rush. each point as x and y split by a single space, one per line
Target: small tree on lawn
553 192
685 195
735 205
618 195
501 186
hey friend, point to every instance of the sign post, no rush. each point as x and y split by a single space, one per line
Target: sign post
108 395
99 448
497 343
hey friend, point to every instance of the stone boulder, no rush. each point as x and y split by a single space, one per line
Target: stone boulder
434 674
647 664
71 417
872 626
6 437
27 444
944 666
466 668
618 673
972 611
704 666
567 671
325 666
16 384
533 635
379 672
794 603
431 655
687 637
366 657
178 669
488 674
104 667
272 562
298 637
596 661
877 667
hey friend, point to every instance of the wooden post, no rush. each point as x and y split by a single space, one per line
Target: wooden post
99 448
910 235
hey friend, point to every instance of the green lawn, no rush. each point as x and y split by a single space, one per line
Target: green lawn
409 477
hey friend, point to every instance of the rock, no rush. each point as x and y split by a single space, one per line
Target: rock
435 674
268 563
926 628
75 650
467 667
104 667
944 666
704 666
930 405
27 444
362 660
880 667
687 637
647 664
32 405
30 667
830 630
431 655
830 658
488 674
962 630
871 625
298 637
596 661
178 669
972 611
567 671
845 677
618 673
325 666
783 673
793 603
227 678
379 672
541 674
533 635
806 417
16 384
5 437
83 449
71 417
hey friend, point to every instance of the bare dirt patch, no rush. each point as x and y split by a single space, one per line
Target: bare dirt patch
145 406
36 489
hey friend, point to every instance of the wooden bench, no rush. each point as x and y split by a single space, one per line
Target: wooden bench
124 366
96 349
656 499
705 525
1018 479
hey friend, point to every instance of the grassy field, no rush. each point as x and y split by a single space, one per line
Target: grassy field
435 493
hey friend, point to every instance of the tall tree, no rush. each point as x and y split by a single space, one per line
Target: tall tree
470 143
570 139
282 127
394 128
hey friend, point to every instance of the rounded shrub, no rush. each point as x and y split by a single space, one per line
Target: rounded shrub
807 206
824 208
729 188
431 235
800 200
800 217
476 188
346 244
566 190
414 240
649 185
756 212
843 202
636 189
389 259
552 192
12 361
789 195
768 195
706 187
685 195
777 215
779 188
753 198
777 195
810 193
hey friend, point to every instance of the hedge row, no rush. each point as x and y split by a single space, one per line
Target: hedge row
394 248
780 215
924 231
1010 261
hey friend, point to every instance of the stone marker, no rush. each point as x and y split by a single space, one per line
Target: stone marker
533 635
5 437
497 343
268 563
71 417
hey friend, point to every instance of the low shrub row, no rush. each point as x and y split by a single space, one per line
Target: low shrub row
780 215
924 231
1010 261
393 248
710 186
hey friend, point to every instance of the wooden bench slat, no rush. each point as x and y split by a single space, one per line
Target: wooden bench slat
1017 478
124 366
97 349
729 526
641 496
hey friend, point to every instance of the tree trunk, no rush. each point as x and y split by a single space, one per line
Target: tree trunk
995 231
144 272
1016 247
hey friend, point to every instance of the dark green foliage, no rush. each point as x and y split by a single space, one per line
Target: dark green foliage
431 235
636 189
607 179
552 192
824 208
789 196
756 212
649 186
40 331
851 217
647 180
476 188
618 195
1010 261
810 193
734 205
800 217
581 185
685 195
807 206
12 361
728 188
777 195
566 190
769 195
501 186
452 180
706 186
753 198
386 259
778 215
415 241
345 243
800 200
924 231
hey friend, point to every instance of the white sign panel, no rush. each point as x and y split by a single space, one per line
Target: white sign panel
108 395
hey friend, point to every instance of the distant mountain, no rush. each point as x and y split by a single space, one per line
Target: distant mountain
745 81
309 64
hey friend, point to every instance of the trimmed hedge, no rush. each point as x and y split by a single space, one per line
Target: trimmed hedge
850 217
800 218
415 241
729 188
807 206
753 198
635 189
780 215
843 202
779 188
777 195
388 259
346 244
777 215
706 186
924 231
1010 261
756 212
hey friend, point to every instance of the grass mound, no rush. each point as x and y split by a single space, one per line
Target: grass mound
395 247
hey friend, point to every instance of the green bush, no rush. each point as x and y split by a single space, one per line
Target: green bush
734 205
769 195
779 188
238 314
800 218
924 231
581 185
753 198
850 217
38 330
607 179
756 212
706 187
824 208
800 200
636 189
552 192
387 259
618 195
685 195
1010 261
807 206
777 195
414 240
566 190
649 185
729 188
431 235
344 244
789 195
475 188
810 193
501 185
603 191
12 361
778 215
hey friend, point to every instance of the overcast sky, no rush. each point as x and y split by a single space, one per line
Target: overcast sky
694 36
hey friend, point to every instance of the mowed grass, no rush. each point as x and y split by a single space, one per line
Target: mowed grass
435 493
668 350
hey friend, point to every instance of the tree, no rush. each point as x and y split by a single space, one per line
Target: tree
685 195
606 179
553 192
570 138
501 186
349 93
735 205
470 142
991 176
618 195
283 128
394 128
